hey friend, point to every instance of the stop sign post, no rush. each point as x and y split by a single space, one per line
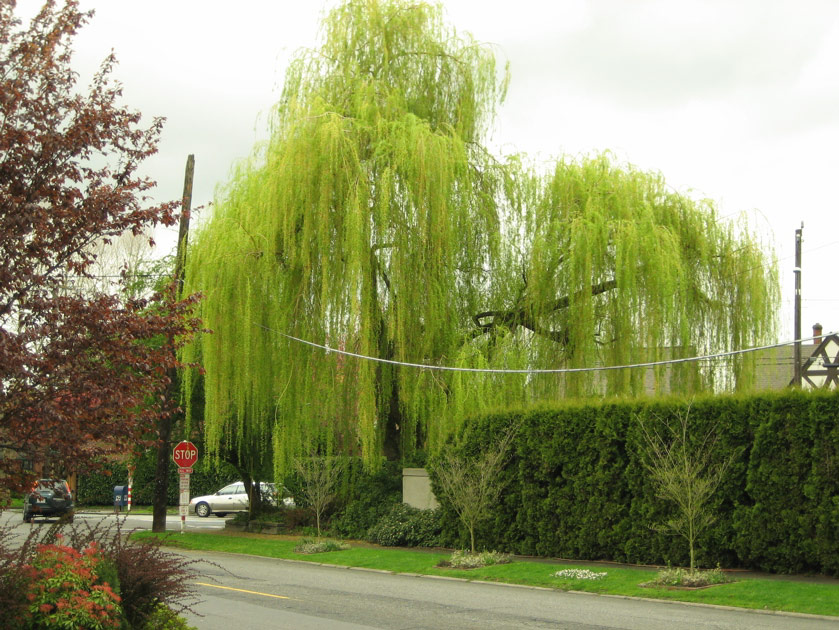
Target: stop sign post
184 455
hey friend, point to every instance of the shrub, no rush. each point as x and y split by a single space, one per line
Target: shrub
45 582
269 515
689 578
148 576
14 578
468 560
357 517
406 526
164 618
83 568
308 545
65 590
369 497
288 519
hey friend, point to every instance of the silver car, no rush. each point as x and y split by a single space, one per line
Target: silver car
232 498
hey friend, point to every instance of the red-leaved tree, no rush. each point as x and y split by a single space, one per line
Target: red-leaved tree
81 374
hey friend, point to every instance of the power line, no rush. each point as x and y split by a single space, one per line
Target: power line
447 368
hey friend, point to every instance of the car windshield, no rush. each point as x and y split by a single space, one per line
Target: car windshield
51 484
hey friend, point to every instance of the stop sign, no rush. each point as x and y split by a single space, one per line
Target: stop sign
185 454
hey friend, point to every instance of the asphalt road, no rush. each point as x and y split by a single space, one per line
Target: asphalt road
238 592
141 521
130 522
267 593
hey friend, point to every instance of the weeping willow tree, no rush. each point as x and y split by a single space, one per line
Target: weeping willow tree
375 221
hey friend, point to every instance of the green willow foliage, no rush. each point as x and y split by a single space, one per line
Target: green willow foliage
374 220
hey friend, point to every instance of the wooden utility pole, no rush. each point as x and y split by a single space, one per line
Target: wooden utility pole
183 227
166 422
797 318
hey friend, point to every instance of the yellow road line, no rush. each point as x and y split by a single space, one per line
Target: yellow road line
241 590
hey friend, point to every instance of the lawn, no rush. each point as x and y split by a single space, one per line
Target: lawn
777 593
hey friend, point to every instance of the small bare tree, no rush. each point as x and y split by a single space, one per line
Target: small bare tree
474 485
319 476
685 472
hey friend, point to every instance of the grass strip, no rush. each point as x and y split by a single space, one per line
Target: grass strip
776 594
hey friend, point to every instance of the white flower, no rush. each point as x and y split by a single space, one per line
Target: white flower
579 574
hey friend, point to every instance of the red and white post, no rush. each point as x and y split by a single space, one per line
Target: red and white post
130 485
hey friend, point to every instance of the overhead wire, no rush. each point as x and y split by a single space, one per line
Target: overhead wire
602 368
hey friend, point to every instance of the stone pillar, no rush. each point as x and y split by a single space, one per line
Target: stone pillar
416 489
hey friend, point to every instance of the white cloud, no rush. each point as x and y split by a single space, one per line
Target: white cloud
737 100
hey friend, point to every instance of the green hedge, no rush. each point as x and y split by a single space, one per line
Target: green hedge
98 488
364 497
576 486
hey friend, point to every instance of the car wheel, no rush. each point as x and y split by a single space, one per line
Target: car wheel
27 516
202 510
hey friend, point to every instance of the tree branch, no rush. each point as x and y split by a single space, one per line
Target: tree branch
523 316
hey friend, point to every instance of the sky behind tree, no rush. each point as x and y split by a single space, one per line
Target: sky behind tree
735 102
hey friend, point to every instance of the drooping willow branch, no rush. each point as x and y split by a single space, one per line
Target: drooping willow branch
388 227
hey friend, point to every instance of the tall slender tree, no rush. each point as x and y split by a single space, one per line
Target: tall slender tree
375 220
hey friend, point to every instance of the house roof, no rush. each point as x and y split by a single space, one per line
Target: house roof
821 370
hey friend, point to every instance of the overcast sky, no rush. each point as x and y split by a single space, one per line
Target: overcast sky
733 101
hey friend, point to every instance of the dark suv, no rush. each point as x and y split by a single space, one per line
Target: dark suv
48 497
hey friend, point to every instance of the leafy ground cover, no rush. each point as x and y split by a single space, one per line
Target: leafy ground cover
320 546
790 594
467 560
676 576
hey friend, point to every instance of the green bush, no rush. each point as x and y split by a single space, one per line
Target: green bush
147 575
15 580
164 618
66 590
576 486
406 526
369 498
